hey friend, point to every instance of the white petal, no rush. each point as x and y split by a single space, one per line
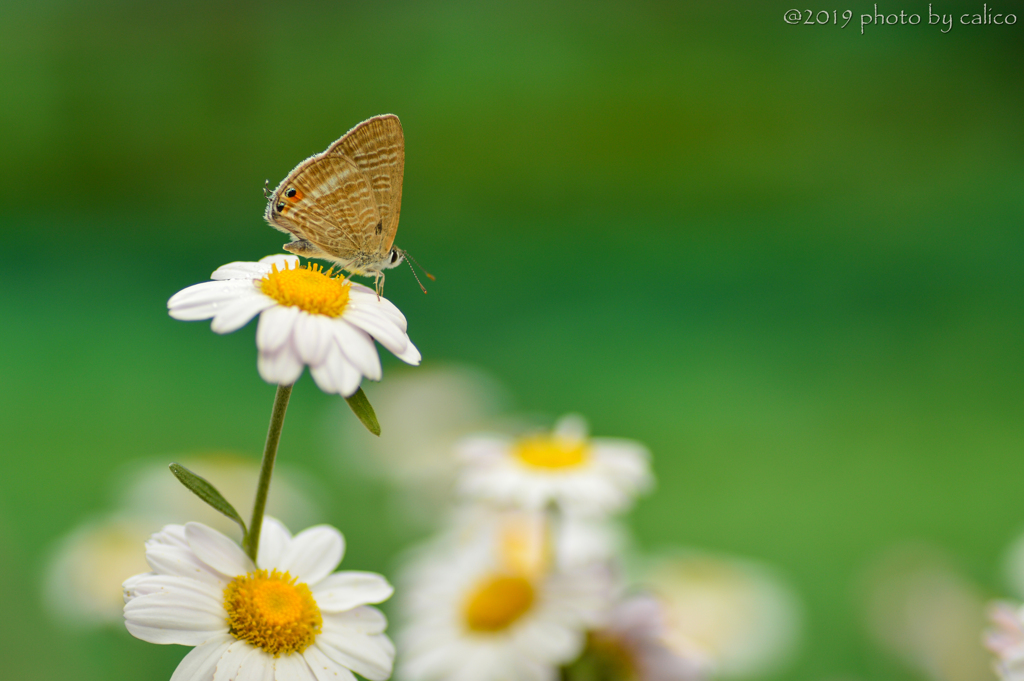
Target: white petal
231 661
324 668
410 355
380 327
168 553
292 668
365 619
169 535
209 292
217 551
282 367
369 656
551 641
205 300
237 313
336 374
151 583
275 328
345 590
240 270
256 666
163 618
313 554
201 662
358 347
362 288
383 306
274 539
182 562
572 427
324 376
129 588
312 337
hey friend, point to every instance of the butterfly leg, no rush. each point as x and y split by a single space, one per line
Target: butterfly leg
349 273
378 284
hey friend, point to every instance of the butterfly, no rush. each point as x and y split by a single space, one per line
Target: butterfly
342 205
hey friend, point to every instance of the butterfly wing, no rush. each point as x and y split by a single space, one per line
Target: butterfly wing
377 147
328 201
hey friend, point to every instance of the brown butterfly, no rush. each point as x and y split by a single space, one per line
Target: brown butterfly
342 205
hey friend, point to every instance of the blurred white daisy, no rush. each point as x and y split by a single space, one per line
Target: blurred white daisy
286 618
735 616
494 608
927 614
1006 640
585 476
307 317
633 646
85 568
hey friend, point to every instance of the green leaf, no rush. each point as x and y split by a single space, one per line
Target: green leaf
362 408
204 490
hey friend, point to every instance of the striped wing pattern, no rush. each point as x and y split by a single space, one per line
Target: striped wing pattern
347 199
337 211
377 146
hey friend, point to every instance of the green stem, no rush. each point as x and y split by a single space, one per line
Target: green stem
252 540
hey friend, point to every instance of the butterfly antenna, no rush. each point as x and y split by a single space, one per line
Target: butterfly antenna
413 260
416 277
429 275
266 186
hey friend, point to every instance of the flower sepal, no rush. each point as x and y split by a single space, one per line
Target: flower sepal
362 408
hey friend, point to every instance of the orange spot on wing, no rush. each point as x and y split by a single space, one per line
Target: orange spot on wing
298 196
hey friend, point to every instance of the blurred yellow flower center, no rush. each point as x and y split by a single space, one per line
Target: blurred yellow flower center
497 602
545 451
308 288
271 611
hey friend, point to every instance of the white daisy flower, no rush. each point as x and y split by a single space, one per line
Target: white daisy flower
491 609
735 616
82 588
1006 640
926 613
307 317
585 476
286 618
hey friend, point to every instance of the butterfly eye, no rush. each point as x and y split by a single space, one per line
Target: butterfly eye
290 193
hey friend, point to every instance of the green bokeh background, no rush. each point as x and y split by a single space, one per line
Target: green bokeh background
788 258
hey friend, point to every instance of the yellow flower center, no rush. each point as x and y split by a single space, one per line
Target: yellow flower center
546 451
497 602
271 611
308 288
